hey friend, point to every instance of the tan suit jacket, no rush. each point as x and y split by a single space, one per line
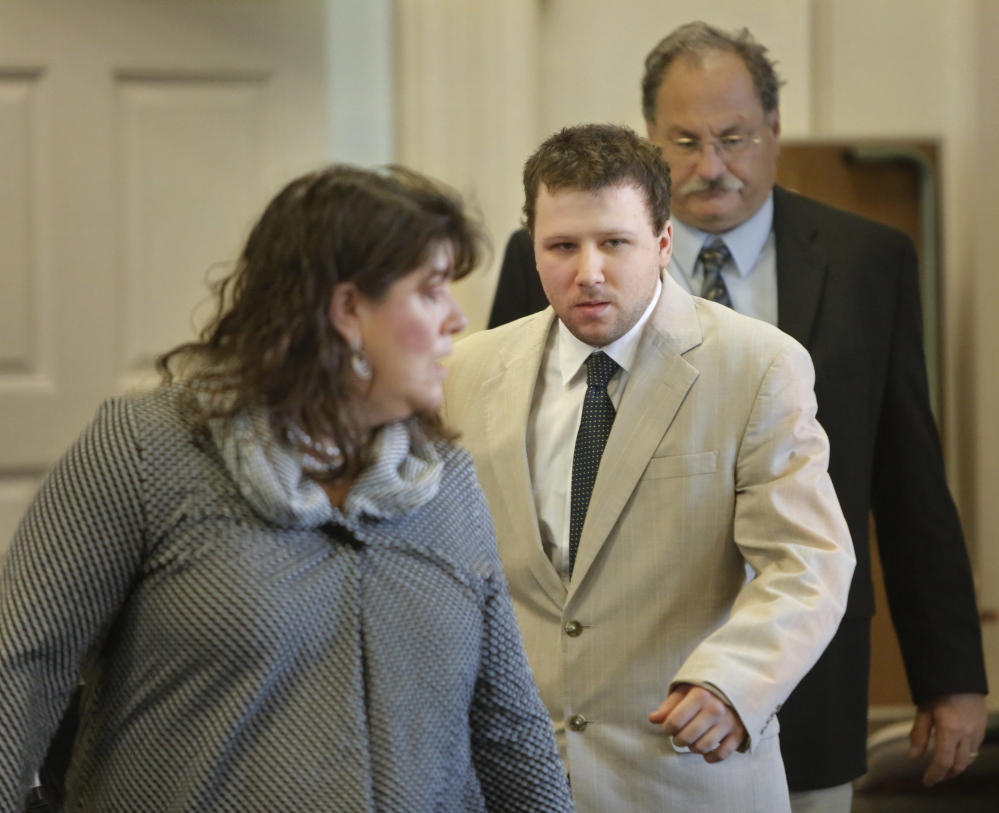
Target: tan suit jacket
715 462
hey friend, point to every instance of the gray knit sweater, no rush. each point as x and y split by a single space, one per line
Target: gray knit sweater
236 664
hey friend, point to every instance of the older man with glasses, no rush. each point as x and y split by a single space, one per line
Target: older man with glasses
847 289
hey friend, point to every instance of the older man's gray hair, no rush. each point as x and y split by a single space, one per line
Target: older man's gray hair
693 40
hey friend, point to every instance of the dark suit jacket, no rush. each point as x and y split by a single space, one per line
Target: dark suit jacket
848 291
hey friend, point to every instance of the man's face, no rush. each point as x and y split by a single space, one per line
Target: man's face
721 149
598 258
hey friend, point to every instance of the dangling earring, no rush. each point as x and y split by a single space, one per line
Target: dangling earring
359 361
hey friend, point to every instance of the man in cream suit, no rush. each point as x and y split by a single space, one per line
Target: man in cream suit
669 605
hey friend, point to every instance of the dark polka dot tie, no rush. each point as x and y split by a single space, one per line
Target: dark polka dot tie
594 427
712 257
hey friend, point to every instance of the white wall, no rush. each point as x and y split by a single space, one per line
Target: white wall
361 89
467 77
593 53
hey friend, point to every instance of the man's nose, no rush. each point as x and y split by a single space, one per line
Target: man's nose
590 267
709 161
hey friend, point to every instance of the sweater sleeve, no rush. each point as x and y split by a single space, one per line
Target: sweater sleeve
513 743
69 568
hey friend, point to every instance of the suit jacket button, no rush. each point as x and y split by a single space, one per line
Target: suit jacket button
573 629
577 722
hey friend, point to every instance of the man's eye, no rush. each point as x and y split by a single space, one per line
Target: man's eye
732 140
686 143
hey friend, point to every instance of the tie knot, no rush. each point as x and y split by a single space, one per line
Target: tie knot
599 369
714 255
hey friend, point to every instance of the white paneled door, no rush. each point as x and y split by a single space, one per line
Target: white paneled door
138 140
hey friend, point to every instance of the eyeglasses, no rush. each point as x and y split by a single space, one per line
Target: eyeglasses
727 146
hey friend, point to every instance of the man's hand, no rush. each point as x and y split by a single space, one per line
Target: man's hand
698 720
957 722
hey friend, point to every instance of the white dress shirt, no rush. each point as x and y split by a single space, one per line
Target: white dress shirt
556 410
751 273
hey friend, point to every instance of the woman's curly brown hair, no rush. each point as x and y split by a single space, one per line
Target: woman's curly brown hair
271 341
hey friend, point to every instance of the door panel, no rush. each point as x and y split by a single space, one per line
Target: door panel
190 169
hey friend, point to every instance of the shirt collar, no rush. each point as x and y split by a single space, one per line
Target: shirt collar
745 241
572 353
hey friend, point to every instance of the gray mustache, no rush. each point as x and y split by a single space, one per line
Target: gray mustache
723 183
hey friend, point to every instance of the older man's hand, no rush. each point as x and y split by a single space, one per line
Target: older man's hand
698 720
957 723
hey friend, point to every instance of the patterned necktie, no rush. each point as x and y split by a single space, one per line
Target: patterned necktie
712 257
594 427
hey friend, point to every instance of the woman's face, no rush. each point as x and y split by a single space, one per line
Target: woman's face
406 336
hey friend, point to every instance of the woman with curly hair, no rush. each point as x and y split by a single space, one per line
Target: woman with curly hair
275 573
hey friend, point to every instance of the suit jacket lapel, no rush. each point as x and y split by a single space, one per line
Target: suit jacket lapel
802 266
507 397
656 387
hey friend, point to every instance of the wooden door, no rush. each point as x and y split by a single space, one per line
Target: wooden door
138 139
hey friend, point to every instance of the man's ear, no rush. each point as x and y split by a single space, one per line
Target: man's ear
344 312
773 120
665 244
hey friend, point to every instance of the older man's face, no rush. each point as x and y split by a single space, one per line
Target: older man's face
721 148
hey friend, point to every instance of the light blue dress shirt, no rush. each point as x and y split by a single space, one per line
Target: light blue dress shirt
750 274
